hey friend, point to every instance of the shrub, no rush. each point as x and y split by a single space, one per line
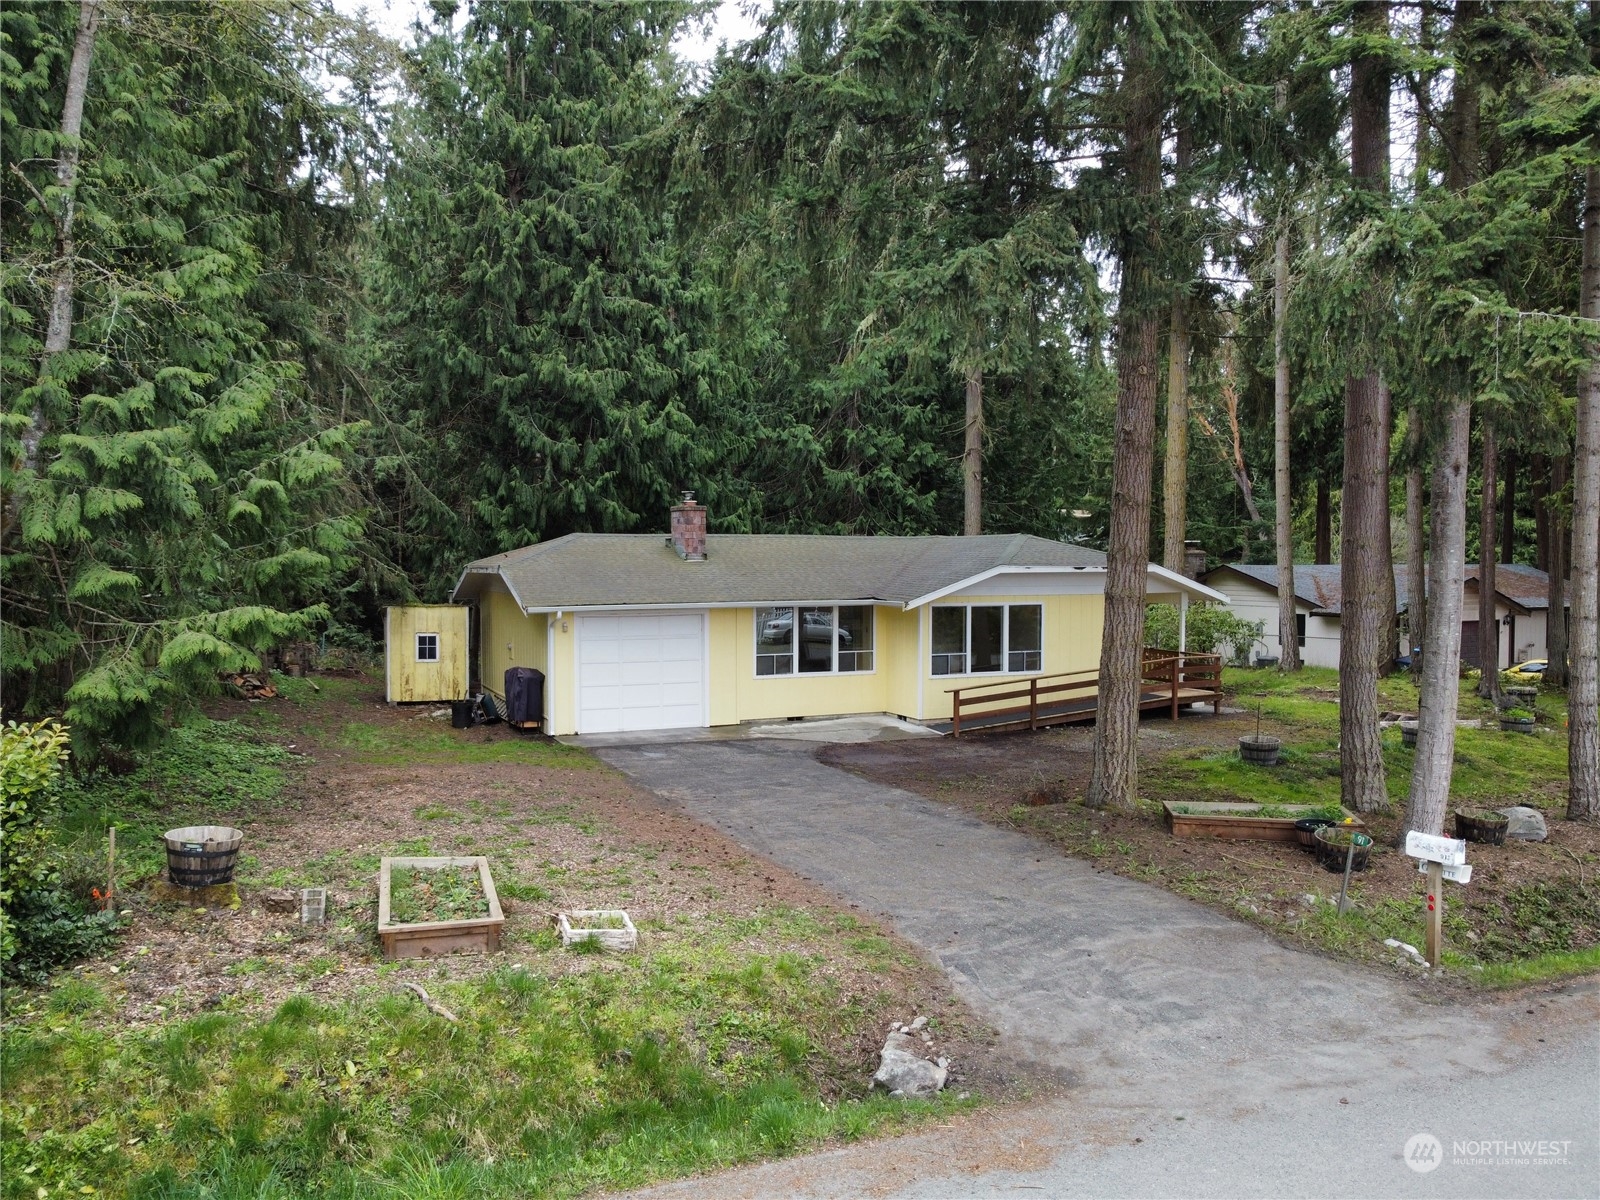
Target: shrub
1211 629
40 925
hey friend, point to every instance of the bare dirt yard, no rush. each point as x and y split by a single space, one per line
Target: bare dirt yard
1531 911
224 1047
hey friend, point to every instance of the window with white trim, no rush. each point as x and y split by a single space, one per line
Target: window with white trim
427 647
987 639
815 640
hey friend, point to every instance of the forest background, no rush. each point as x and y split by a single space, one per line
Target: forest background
299 318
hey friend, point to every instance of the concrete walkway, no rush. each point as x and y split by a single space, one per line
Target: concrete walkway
1151 1004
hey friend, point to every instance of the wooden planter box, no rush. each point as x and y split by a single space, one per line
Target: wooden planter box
426 939
1217 819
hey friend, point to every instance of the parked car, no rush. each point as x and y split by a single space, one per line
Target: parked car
1531 671
814 627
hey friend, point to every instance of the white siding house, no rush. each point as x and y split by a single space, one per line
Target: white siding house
1522 603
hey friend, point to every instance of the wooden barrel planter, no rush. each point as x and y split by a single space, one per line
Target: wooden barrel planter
202 855
1333 847
1260 749
1521 695
1482 825
1511 724
1305 830
1408 734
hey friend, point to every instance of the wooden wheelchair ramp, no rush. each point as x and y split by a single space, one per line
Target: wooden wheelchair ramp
1168 680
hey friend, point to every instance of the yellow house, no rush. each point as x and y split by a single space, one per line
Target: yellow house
425 652
641 631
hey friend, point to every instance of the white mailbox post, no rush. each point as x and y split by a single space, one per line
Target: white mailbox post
1441 858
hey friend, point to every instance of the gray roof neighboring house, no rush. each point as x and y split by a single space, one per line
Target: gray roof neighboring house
1315 584
1318 584
585 570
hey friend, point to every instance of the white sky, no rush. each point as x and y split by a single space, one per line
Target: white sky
732 21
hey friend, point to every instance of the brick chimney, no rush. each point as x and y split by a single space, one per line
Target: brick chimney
689 529
1194 560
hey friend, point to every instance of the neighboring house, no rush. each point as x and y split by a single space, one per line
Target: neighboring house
1522 606
1522 600
641 631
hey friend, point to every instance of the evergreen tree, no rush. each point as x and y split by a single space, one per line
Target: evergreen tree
187 506
544 339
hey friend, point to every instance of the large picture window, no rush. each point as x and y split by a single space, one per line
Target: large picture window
814 640
980 639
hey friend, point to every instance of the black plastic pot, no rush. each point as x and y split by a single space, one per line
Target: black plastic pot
1306 830
461 713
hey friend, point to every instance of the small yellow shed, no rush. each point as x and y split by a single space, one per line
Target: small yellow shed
425 652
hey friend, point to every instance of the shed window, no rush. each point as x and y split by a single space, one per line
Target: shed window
814 641
986 639
427 647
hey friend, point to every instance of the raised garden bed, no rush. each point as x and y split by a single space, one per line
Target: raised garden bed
1255 822
433 906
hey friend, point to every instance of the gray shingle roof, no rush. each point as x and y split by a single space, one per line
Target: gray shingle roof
1521 584
584 569
1317 584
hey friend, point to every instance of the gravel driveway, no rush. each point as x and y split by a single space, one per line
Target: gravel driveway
1157 1009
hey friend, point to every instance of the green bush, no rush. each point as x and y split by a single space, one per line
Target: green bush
1211 629
41 926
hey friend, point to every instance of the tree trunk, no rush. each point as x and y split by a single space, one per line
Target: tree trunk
1389 638
58 330
1508 506
1283 487
972 455
1583 729
1436 723
1175 476
1175 470
1416 552
1322 552
1116 773
1540 488
1556 564
1364 506
1488 623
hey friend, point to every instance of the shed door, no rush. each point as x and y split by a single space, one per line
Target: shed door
641 671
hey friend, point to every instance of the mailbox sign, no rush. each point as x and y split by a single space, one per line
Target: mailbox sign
1452 852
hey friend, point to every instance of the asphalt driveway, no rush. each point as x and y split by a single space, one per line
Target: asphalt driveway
1149 1003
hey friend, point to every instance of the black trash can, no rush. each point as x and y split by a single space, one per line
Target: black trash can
461 714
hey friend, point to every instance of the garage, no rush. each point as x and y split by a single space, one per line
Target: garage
641 671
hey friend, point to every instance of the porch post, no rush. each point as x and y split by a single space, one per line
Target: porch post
1183 622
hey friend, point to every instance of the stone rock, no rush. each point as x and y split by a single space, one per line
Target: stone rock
1527 824
1309 899
902 1071
918 1024
281 900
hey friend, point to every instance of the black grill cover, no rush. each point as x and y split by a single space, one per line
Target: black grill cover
524 695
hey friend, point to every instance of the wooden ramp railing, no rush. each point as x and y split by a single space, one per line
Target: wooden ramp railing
1167 680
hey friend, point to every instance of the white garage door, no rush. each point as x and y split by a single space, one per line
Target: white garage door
641 671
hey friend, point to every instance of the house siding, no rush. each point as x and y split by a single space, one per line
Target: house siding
507 638
901 684
1072 628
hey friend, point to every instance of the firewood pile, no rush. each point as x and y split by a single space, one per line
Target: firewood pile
251 686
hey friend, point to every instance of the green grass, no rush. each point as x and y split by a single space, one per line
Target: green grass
695 1055
419 894
1506 768
1555 965
397 745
